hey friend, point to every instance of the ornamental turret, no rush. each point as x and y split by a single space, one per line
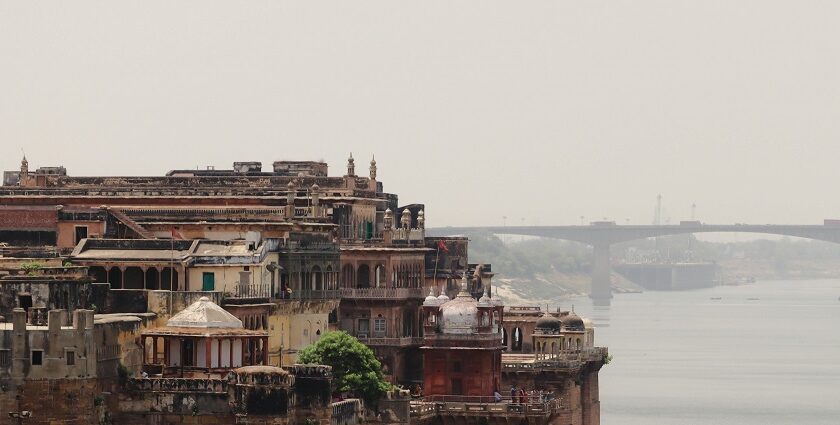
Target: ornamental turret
351 166
315 192
373 168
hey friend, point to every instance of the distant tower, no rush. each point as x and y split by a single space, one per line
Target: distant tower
693 211
373 168
657 215
24 171
316 199
351 166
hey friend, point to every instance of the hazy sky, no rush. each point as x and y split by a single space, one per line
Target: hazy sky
537 110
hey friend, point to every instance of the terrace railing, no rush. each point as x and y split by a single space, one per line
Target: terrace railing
382 293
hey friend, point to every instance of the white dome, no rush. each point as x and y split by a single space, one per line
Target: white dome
460 316
204 314
431 300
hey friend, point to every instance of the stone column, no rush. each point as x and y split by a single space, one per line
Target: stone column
601 270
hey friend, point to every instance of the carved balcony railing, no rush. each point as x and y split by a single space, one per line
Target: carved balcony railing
391 341
458 405
178 385
382 293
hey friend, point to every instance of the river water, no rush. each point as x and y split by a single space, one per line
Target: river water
764 353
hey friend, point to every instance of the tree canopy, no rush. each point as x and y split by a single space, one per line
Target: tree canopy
355 367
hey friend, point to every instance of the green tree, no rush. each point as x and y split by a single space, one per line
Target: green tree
355 368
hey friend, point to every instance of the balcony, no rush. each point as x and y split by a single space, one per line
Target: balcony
382 293
565 359
404 341
262 292
482 406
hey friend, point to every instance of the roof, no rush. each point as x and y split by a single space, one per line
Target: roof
132 254
224 249
204 314
193 331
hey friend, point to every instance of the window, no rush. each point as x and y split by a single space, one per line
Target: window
37 357
5 358
208 281
81 233
71 357
456 366
364 325
379 326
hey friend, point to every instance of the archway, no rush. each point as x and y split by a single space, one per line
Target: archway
317 279
152 278
517 339
115 276
347 276
379 276
169 279
98 273
363 276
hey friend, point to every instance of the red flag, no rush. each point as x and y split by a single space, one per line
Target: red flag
176 235
442 246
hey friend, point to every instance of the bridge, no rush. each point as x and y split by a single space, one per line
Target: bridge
601 235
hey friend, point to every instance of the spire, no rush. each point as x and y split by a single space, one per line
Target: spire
465 281
373 168
351 166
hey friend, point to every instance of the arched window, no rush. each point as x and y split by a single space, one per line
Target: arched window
379 276
347 276
317 279
330 279
363 277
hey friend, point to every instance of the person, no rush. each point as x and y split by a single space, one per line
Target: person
513 394
522 398
496 396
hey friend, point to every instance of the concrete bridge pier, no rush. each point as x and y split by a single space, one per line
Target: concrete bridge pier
601 291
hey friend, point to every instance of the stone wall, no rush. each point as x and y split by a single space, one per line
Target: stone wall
54 401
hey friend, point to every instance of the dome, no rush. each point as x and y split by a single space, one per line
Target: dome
548 324
204 314
572 322
460 316
485 300
443 298
432 300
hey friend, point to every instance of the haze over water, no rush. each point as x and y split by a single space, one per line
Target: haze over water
765 353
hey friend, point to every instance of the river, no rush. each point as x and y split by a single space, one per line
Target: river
764 353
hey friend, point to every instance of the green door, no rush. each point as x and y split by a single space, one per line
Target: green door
208 280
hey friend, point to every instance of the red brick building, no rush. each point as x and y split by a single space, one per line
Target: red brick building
462 352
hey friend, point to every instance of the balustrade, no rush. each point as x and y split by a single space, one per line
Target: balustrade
382 293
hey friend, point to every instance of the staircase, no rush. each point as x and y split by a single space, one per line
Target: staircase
131 224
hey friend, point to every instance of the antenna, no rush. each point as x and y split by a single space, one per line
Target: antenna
657 215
